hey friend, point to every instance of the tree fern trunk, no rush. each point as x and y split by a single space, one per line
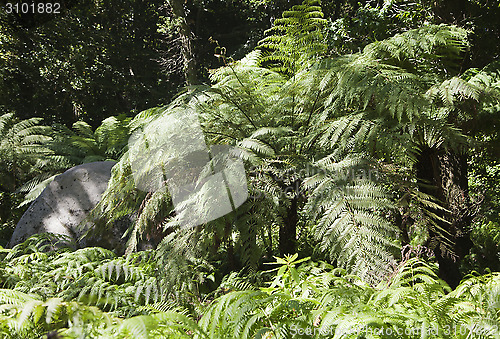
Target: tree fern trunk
288 230
446 172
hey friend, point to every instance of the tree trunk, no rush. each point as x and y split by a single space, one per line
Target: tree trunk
186 47
288 230
446 173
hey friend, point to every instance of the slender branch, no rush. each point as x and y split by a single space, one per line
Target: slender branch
241 109
222 134
311 113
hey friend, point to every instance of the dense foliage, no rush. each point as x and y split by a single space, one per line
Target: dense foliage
369 136
93 293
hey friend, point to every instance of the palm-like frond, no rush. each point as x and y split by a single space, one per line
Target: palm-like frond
295 40
21 143
349 227
67 148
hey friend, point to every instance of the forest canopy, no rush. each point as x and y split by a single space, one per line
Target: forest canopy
365 133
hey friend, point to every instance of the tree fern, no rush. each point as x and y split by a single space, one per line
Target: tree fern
354 236
67 148
240 110
106 142
21 143
396 95
429 48
376 103
295 39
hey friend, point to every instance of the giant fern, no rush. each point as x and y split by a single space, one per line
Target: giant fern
295 39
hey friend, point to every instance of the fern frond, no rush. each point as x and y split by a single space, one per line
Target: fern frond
348 227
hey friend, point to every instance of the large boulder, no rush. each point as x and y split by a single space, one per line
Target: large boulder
65 203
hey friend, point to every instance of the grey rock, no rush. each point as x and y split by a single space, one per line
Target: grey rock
65 203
